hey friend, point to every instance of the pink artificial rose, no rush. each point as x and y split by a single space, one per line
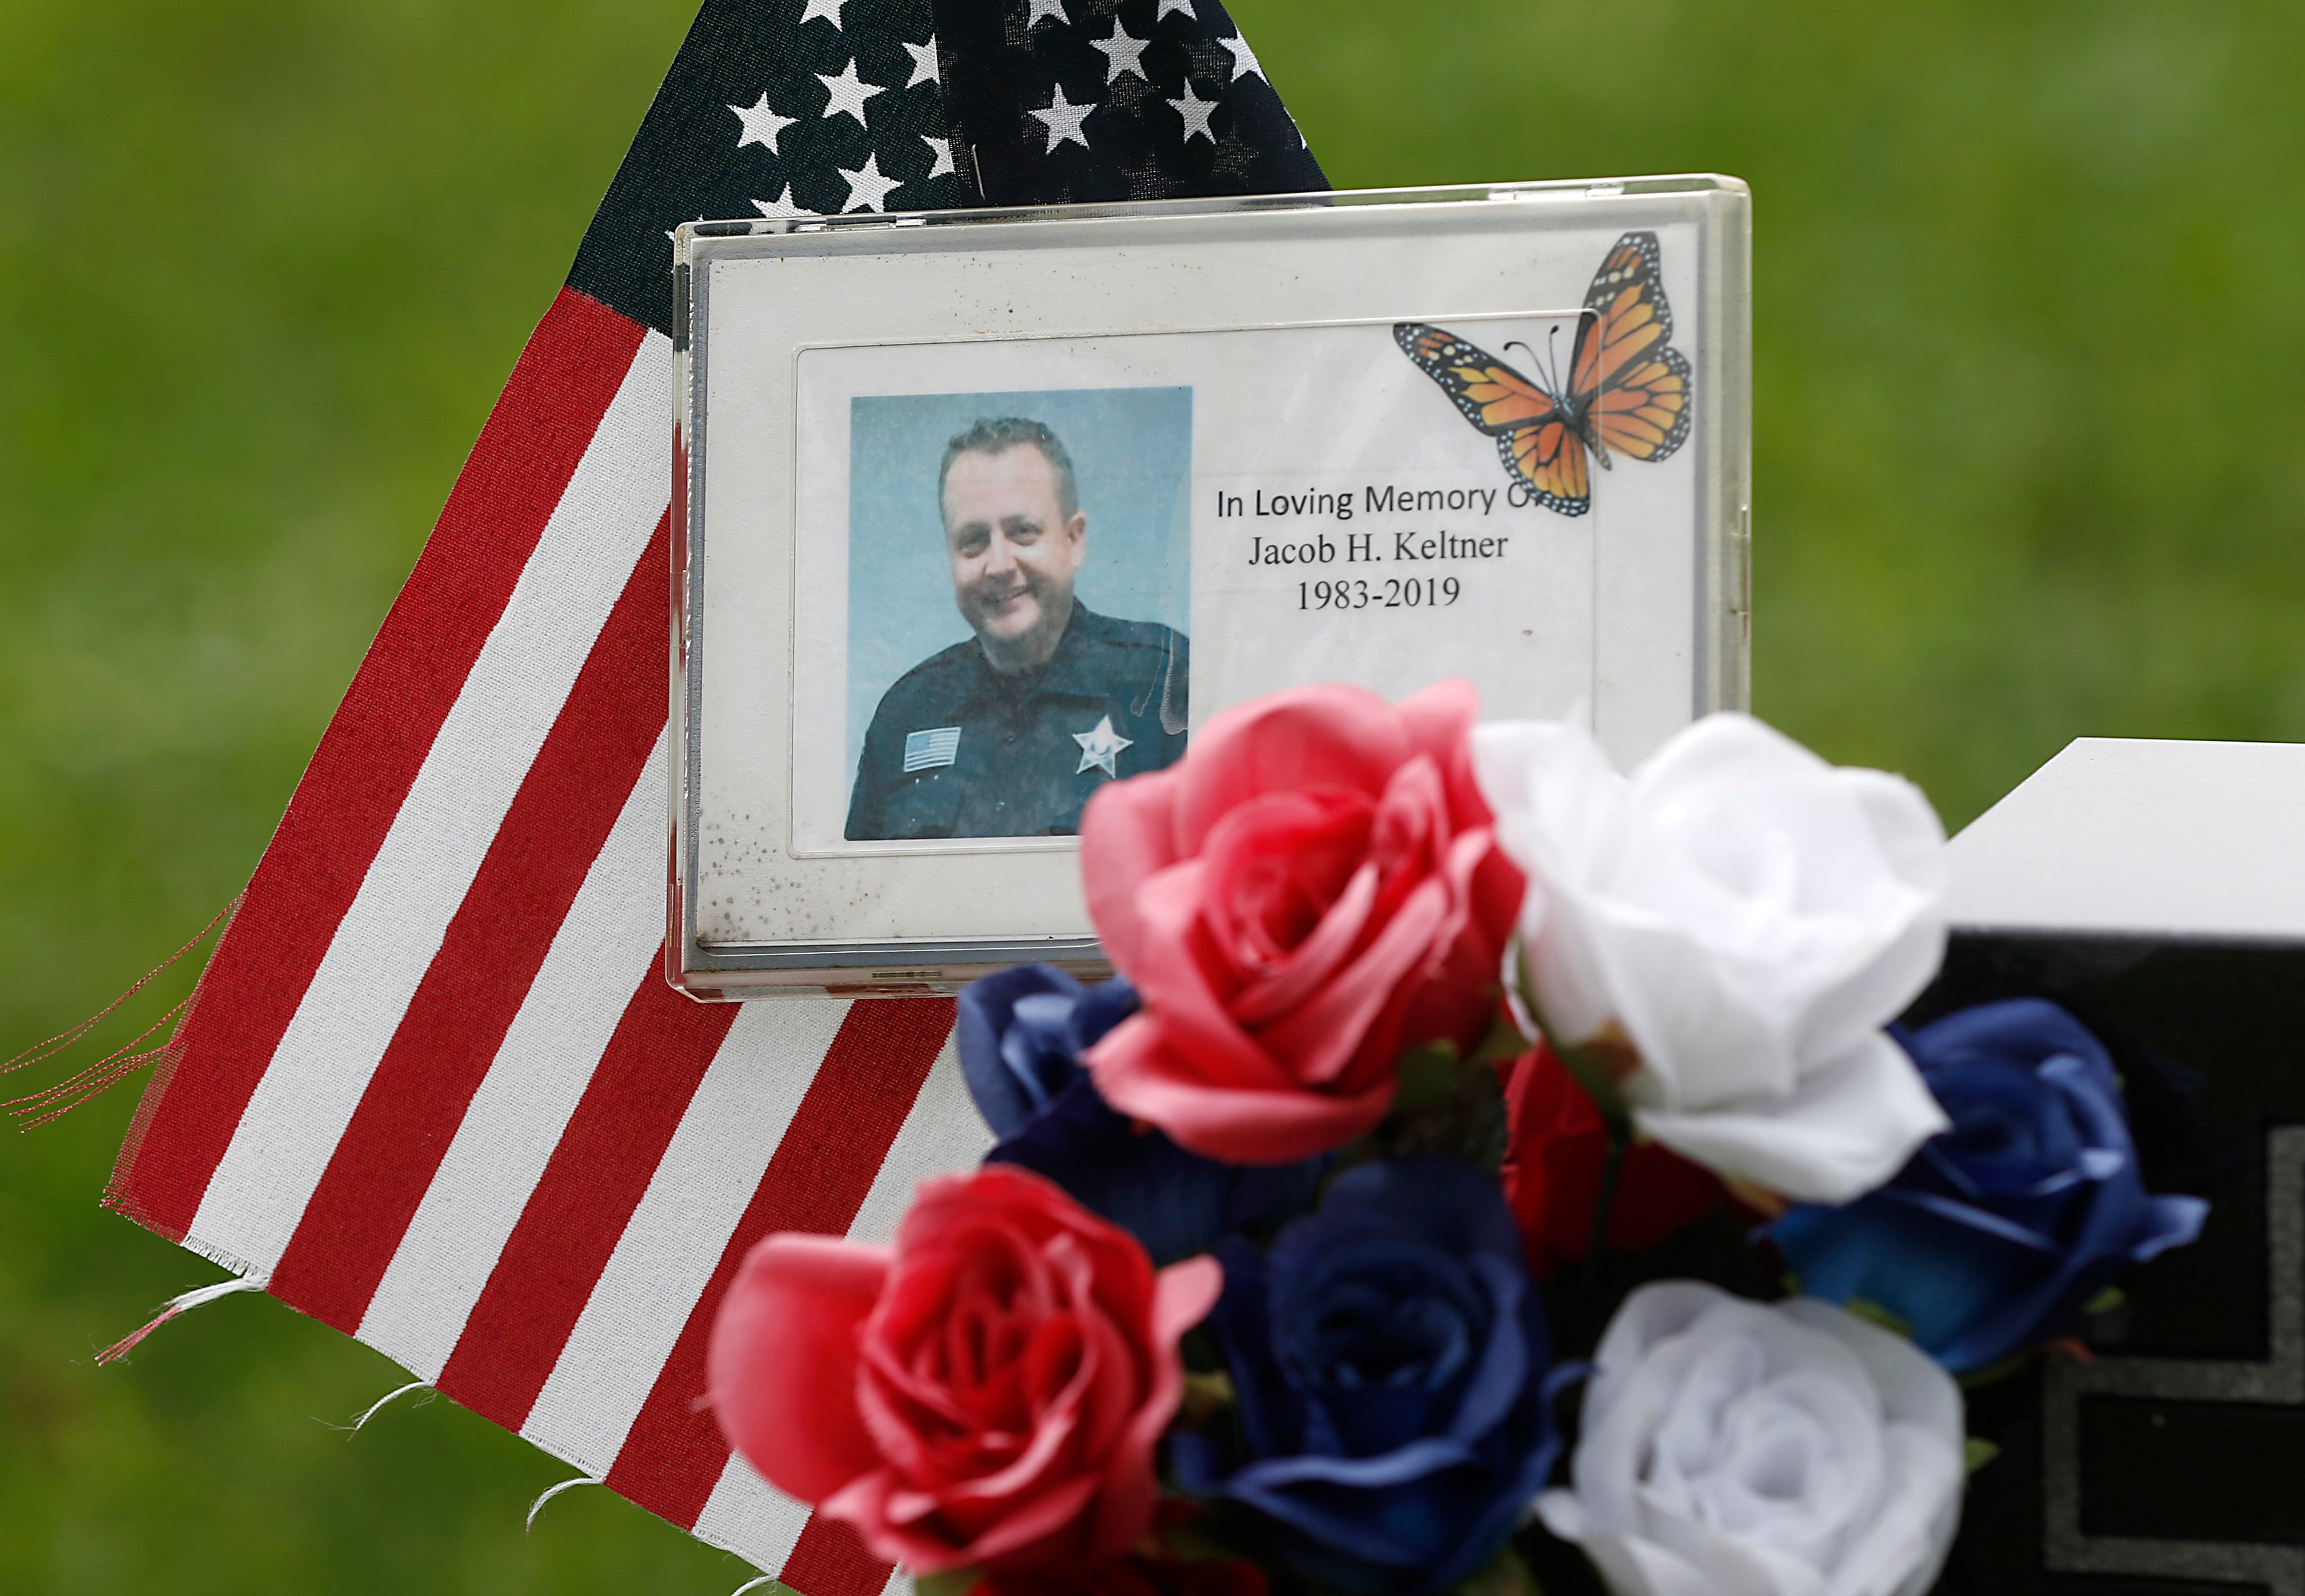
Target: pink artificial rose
986 1394
1312 890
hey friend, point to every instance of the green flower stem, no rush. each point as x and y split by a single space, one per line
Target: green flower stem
1599 1066
1605 1206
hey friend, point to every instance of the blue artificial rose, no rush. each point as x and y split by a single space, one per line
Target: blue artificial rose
2000 1230
1389 1362
1021 1033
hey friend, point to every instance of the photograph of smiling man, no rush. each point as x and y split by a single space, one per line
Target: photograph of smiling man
1009 731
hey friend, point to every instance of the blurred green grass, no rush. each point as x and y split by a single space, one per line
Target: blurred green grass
2026 467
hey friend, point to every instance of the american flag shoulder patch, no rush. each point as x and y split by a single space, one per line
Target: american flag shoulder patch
931 750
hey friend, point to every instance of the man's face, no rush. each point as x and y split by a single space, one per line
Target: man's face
1015 552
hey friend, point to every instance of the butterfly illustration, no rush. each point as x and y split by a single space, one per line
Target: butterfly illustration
1628 389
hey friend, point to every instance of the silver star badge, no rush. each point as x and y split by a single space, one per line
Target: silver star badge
1100 747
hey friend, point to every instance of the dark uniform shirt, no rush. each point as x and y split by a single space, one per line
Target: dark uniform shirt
957 748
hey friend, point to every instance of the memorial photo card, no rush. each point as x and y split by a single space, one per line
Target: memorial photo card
980 518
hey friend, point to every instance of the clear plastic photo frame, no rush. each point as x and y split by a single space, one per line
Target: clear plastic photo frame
975 511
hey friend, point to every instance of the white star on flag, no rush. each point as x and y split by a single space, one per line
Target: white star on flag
1244 59
1100 746
1063 120
867 188
1169 5
1124 52
1045 8
849 94
830 10
782 206
761 126
1196 112
924 62
939 154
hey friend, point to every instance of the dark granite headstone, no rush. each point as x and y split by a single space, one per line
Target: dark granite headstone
2157 890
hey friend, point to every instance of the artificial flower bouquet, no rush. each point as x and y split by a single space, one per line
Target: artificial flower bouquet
1486 1165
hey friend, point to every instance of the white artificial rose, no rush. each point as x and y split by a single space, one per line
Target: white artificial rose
1734 1449
1749 917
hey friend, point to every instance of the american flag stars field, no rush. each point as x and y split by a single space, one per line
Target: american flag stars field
1108 104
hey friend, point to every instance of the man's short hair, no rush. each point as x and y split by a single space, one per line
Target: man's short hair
991 435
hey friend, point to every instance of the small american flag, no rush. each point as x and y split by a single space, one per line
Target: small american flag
931 750
436 1091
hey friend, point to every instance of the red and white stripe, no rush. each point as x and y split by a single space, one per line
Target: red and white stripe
437 1092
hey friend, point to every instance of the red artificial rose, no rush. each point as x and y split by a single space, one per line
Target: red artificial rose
1557 1149
1314 889
987 1393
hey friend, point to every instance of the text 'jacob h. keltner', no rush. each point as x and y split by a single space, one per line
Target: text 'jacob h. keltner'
1391 546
